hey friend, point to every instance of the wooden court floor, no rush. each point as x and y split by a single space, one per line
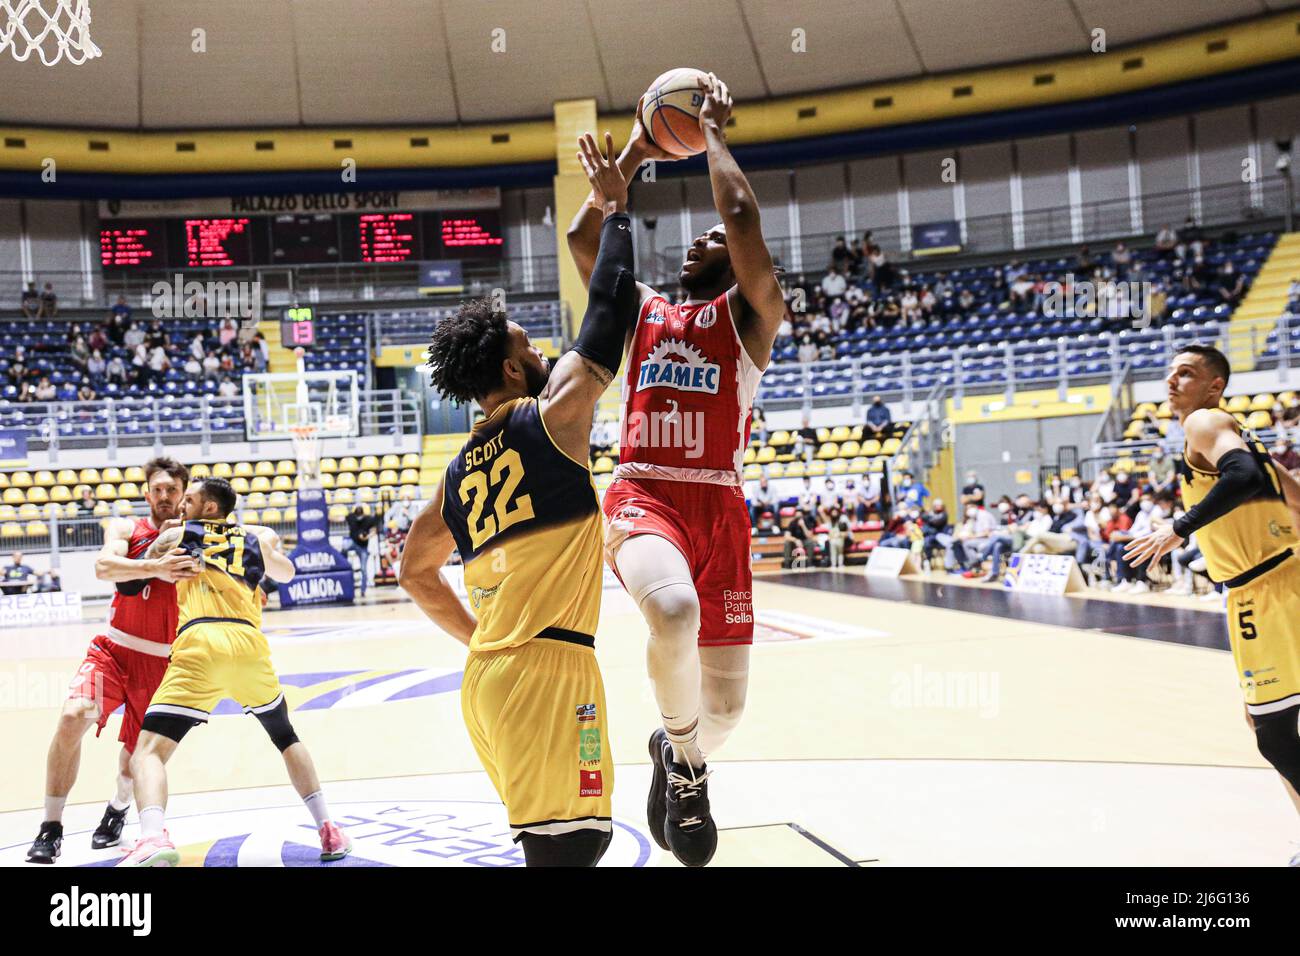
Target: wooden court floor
884 727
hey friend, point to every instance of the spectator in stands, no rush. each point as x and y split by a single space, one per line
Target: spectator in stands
797 541
807 350
198 348
879 421
17 371
758 424
262 352
18 577
49 303
86 393
116 370
808 501
98 340
1190 240
1166 241
936 529
1087 531
1285 455
227 388
45 390
840 255
361 528
897 532
911 493
1056 538
96 367
211 365
973 534
834 284
857 258
192 367
972 493
761 499
839 534
1231 284
1123 488
157 336
880 271
1161 471
134 336
965 301
31 301
228 333
79 353
25 392
121 309
1116 533
159 364
1121 259
852 499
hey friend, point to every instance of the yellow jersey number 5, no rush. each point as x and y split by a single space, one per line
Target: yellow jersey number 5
507 471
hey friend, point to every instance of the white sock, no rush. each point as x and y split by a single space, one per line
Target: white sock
122 799
686 748
54 808
151 822
316 806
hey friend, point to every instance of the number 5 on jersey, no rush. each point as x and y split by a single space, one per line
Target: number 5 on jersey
507 471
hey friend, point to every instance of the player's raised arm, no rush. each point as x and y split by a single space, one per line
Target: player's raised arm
279 567
582 374
584 232
112 564
428 545
763 305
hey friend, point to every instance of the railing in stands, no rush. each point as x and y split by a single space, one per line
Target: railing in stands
154 420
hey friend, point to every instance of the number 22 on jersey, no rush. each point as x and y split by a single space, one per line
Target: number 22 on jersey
506 473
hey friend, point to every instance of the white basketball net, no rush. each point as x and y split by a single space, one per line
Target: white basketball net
53 29
306 448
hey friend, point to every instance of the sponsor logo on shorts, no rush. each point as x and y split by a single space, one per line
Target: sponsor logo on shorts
738 607
589 784
589 745
586 712
629 513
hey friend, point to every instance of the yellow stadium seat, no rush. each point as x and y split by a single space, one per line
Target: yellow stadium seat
4 480
1164 411
89 476
823 434
66 476
1262 402
369 463
263 468
409 492
766 455
222 469
60 493
753 472
794 469
14 496
260 483
326 480
390 461
871 447
1286 398
103 510
44 479
328 466
37 529
251 516
271 516
750 455
128 489
123 507
282 483
1164 429
240 485
38 495
243 469
255 500
28 512
850 449
1239 403
388 477
1240 417
778 439
410 476
367 494
20 479
7 512
11 530
278 499
106 492
348 464
1257 421
1134 430
840 433
343 496
202 471
366 479
890 446
775 470
134 473
52 510
816 469
859 465
111 475
338 512
1143 409
604 466
410 460
286 467
876 464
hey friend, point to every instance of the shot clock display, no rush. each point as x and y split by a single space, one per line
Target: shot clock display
298 327
301 239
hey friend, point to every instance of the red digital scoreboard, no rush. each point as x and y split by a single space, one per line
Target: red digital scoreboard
387 237
471 234
129 245
210 243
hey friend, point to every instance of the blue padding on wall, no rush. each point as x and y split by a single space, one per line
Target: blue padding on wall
1262 82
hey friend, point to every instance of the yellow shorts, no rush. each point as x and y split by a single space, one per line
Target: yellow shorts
1264 630
536 715
212 661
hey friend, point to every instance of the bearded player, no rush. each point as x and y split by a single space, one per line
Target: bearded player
1243 508
679 531
125 663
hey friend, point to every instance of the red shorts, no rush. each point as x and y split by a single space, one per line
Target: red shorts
709 525
111 676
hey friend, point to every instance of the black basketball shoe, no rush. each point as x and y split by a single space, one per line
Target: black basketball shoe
692 834
49 843
656 806
109 831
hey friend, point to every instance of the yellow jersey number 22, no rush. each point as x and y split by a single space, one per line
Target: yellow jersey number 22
507 471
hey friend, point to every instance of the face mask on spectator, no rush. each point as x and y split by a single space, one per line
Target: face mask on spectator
970 512
1147 506
1058 509
1003 507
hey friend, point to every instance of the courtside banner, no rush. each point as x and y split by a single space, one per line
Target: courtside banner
13 447
936 238
1043 574
324 574
890 563
43 607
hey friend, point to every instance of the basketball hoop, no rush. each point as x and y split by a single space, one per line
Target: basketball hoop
306 448
26 25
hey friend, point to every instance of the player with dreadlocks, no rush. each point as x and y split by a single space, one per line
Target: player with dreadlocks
519 505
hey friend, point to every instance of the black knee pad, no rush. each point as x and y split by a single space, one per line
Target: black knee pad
578 848
276 723
171 726
1278 737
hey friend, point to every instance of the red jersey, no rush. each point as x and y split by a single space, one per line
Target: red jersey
687 394
150 615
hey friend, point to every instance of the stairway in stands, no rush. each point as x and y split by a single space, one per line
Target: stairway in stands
282 359
1264 303
437 451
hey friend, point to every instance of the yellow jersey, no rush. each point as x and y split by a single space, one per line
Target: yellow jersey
226 590
1253 532
528 526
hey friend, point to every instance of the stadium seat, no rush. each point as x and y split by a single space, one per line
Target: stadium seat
11 530
103 510
134 473
828 450
222 470
282 483
286 467
410 476
1238 403
122 507
111 475
1256 421
367 479
390 461
348 464
1262 403
388 477
60 493
260 483
200 471
278 499
338 513
66 476
37 529
328 466
243 469
240 484
106 492
410 460
43 479
840 433
264 469
38 495
271 516
89 476
28 512
20 479
343 496
366 494
251 516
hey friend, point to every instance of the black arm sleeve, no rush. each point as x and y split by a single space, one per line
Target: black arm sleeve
611 296
1240 479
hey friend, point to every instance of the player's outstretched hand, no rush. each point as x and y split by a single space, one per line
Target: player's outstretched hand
641 142
177 565
607 182
1152 546
716 109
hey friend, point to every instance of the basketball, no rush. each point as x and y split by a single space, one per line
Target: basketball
670 111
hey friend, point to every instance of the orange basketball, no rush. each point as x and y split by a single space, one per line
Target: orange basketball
670 111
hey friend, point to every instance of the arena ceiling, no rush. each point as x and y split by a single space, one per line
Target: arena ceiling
375 62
